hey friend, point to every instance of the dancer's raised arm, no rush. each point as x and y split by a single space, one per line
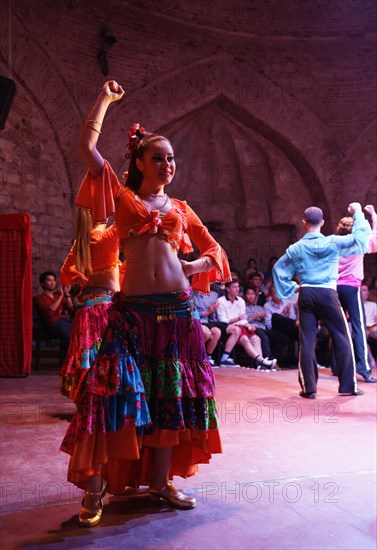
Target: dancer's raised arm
111 91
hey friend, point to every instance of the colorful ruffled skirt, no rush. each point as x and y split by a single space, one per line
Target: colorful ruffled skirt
149 386
88 327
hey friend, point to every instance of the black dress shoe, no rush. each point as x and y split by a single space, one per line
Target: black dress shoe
358 392
308 395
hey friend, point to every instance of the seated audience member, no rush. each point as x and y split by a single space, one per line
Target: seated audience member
373 291
252 267
271 262
219 288
281 315
52 304
266 286
273 341
207 306
256 280
75 294
236 276
370 309
232 310
211 339
368 281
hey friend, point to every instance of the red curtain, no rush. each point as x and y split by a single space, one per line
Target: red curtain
16 315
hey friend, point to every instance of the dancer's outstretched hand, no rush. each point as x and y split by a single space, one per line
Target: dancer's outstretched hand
354 207
369 208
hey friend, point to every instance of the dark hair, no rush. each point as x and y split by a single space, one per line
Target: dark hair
135 177
44 276
344 226
272 259
313 215
250 287
228 283
255 274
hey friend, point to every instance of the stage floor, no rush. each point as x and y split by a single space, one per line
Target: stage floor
294 473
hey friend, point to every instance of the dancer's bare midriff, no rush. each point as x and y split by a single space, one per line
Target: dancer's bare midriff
152 266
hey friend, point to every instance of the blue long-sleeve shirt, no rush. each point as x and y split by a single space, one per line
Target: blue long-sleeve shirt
315 258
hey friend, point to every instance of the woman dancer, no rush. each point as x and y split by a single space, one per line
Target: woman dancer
93 263
150 411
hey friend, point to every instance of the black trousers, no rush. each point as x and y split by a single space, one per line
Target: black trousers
323 304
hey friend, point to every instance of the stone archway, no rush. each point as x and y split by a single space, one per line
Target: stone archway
230 125
251 98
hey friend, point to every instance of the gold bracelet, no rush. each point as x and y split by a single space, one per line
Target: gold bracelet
94 129
95 121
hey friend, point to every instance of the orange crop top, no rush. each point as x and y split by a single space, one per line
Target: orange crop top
104 252
177 226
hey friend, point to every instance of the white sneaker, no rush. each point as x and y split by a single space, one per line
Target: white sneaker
268 365
264 362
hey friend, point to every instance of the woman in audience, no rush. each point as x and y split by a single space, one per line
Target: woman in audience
271 262
252 266
270 339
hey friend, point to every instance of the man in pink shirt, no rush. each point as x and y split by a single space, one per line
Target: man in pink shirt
351 274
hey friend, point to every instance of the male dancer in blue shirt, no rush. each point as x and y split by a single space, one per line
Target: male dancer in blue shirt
315 259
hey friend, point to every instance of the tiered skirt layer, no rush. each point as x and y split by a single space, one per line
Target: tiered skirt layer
149 386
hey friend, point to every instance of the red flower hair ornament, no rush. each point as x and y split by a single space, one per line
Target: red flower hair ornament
135 135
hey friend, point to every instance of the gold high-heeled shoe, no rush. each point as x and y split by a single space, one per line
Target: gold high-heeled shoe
173 497
89 517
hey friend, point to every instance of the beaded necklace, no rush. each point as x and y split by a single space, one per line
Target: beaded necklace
154 195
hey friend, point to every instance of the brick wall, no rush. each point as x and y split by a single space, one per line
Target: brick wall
270 107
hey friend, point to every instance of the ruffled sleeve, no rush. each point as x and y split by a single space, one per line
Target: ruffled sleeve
99 193
68 273
207 247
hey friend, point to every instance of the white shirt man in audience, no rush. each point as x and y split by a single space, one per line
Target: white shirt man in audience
232 310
